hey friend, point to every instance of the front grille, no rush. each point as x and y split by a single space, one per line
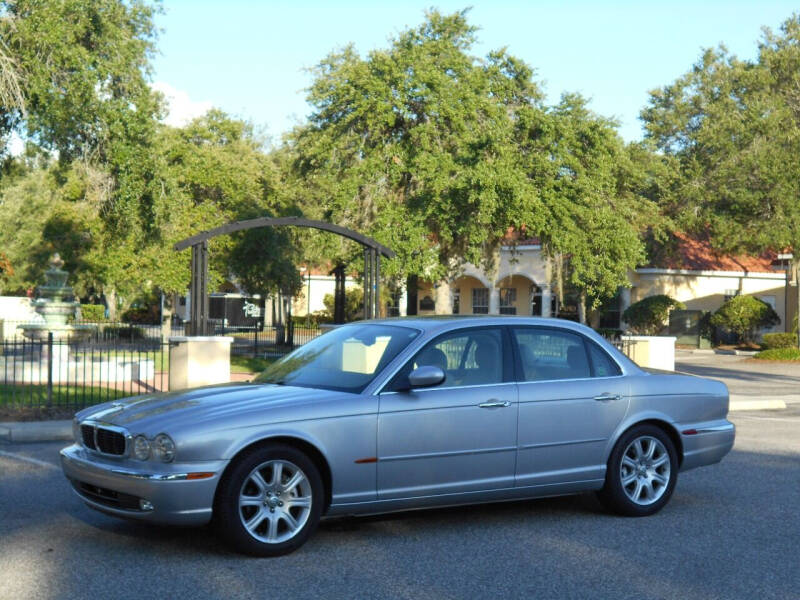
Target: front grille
107 441
110 442
87 432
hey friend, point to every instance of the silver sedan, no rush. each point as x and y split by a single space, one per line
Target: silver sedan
396 414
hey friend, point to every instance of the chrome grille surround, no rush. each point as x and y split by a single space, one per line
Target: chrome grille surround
105 438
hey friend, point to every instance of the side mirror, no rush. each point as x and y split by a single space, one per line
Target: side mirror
425 376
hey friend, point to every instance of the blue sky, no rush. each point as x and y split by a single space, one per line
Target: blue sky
249 58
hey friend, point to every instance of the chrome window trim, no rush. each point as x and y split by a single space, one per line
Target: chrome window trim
571 379
454 387
380 388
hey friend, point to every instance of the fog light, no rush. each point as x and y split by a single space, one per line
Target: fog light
145 504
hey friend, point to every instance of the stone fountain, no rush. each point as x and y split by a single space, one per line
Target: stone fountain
53 362
56 306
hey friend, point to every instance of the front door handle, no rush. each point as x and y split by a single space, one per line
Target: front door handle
495 404
607 397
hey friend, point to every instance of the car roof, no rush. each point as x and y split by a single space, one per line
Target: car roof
444 322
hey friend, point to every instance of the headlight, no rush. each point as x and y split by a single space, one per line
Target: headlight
76 431
164 447
141 447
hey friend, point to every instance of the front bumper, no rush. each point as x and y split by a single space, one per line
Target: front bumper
116 487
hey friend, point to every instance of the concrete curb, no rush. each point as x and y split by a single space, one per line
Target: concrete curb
36 431
743 403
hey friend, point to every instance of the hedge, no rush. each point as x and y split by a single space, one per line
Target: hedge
771 341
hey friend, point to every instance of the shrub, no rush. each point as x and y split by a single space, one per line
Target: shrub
353 304
313 320
743 314
779 354
141 315
649 315
93 313
122 332
779 340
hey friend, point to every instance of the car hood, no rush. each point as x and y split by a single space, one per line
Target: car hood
219 404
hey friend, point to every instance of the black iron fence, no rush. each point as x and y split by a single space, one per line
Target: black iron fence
270 341
54 377
97 330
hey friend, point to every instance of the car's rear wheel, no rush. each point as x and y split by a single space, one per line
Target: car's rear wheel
642 472
270 501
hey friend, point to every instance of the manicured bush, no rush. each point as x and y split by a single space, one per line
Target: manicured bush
649 315
313 320
779 340
779 354
743 314
93 313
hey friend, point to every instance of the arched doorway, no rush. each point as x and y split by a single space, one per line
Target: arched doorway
373 250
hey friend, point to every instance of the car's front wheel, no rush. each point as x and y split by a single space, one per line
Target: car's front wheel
641 473
270 501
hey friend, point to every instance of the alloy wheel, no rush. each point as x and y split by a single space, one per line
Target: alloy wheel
275 501
645 470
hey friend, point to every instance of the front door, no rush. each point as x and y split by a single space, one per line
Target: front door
572 397
458 436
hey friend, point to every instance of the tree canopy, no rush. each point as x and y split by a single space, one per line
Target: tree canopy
734 128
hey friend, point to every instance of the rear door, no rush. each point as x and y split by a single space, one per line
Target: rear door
458 436
572 397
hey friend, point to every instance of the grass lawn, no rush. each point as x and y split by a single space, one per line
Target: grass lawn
29 401
246 364
782 354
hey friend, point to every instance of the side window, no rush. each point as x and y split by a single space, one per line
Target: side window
603 365
471 357
548 354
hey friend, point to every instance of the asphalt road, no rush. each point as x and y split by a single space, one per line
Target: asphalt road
730 531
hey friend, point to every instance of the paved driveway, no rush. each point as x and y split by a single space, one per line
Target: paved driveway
745 376
730 531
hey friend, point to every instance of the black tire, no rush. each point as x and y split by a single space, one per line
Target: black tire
240 482
652 485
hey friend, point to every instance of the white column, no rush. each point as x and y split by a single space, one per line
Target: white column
403 301
494 301
547 299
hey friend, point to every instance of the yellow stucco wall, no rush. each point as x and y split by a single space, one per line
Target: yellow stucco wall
706 291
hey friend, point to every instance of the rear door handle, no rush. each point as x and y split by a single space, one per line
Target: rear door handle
495 404
607 397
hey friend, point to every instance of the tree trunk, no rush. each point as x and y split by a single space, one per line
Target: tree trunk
443 300
111 304
168 309
582 308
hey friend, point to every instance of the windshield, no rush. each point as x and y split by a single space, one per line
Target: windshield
345 359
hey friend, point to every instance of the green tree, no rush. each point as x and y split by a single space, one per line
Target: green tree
414 146
592 201
80 69
743 314
733 126
650 315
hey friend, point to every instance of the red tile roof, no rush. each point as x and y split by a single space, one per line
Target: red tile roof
696 254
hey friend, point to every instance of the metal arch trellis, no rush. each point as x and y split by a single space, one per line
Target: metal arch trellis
199 283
